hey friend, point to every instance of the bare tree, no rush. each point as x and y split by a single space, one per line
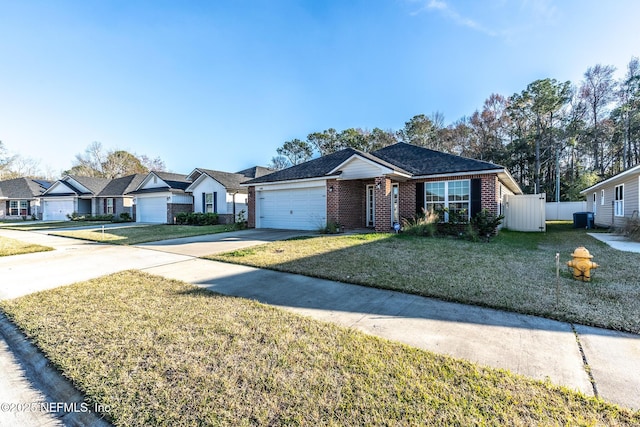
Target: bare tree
598 91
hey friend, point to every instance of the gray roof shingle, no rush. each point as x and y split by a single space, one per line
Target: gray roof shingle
122 186
422 161
23 188
401 157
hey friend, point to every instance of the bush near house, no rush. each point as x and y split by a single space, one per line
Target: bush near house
196 218
631 228
86 217
483 225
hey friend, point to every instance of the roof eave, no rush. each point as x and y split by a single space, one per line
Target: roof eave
316 178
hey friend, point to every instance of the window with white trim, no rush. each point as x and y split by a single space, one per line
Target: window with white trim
595 195
18 207
618 203
208 202
451 197
601 197
109 206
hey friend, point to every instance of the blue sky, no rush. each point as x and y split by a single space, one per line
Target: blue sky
221 84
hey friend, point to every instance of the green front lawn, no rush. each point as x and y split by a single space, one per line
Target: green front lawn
16 247
514 272
141 234
161 352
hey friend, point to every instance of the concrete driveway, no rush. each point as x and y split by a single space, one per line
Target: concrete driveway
563 353
198 246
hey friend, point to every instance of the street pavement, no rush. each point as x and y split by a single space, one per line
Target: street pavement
562 353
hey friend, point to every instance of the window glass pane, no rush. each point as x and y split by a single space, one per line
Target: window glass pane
458 191
434 191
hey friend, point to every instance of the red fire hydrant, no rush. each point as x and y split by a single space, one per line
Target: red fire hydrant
581 264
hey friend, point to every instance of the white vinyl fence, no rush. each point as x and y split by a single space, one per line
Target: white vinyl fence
525 212
563 211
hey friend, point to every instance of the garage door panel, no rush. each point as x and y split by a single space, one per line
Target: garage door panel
295 209
151 209
57 210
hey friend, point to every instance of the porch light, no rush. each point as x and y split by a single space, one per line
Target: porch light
331 189
378 186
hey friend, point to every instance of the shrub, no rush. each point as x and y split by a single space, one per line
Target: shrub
424 224
196 218
486 223
124 216
241 221
631 227
331 228
75 216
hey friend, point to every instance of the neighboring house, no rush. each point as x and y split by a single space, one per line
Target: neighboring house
160 197
615 199
20 197
375 190
220 192
71 194
114 199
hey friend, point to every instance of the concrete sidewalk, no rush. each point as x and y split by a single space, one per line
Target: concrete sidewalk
536 347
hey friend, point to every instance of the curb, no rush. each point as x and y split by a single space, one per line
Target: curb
48 380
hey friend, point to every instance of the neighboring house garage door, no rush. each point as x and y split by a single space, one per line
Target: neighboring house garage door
293 209
151 209
56 210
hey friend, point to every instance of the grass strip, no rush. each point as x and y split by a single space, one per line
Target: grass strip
10 247
514 272
134 234
49 225
162 352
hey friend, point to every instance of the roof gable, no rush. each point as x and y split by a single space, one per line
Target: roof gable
162 181
60 188
230 181
315 168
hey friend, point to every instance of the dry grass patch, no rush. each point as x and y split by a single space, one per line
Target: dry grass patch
515 272
141 234
16 247
162 352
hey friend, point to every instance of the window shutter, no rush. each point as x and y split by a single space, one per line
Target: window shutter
204 201
419 197
8 208
476 196
215 202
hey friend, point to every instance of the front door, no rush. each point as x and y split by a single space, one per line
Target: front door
371 206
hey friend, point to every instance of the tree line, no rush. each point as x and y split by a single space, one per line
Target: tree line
96 161
554 137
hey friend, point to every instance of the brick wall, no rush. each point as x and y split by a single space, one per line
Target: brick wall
407 193
346 203
333 201
490 193
174 209
383 204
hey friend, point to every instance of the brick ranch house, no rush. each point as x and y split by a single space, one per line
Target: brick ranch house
375 190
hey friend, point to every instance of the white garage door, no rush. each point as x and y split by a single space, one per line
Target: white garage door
151 209
293 209
56 210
